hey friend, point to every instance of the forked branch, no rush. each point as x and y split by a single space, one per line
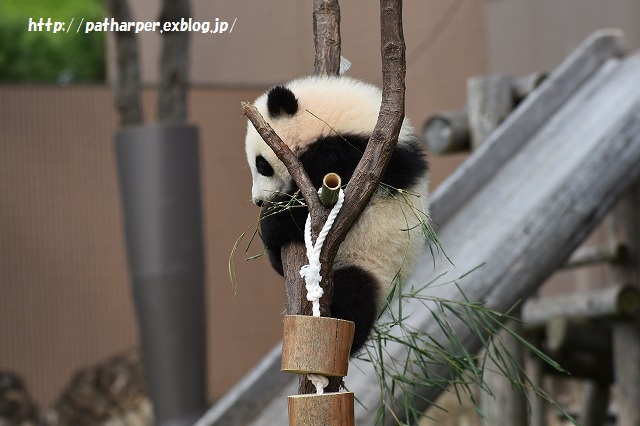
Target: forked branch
376 156
369 171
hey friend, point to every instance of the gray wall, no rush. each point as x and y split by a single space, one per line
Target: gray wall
535 35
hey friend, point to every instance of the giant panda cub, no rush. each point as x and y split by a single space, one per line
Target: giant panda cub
327 122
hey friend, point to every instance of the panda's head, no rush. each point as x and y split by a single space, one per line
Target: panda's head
303 112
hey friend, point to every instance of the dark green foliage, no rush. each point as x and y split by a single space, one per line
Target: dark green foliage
45 57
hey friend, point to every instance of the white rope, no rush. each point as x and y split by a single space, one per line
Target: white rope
312 277
320 382
311 272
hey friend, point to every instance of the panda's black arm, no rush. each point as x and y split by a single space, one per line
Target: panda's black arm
280 225
341 154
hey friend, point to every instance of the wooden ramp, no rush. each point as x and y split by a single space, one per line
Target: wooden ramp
519 206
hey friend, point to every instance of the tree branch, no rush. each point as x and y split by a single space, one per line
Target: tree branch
127 82
294 254
369 171
284 154
326 37
174 64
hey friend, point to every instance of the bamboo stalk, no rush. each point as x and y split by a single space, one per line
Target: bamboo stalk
331 184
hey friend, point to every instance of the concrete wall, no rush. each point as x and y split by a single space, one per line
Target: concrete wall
525 36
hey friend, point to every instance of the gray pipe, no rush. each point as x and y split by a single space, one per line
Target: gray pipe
160 186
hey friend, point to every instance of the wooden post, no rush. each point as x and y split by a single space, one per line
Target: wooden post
317 345
335 409
625 227
535 371
507 406
595 402
626 355
447 132
490 100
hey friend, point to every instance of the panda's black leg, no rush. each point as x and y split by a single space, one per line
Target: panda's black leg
355 292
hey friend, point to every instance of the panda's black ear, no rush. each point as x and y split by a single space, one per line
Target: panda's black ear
281 101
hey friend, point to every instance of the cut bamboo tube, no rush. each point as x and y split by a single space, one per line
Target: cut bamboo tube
335 409
330 189
316 345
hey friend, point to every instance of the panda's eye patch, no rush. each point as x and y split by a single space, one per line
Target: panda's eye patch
263 166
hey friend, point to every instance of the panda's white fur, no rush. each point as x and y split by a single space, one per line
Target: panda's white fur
329 105
387 238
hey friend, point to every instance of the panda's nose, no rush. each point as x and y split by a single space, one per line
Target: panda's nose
258 202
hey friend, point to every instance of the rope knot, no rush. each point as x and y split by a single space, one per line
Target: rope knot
311 273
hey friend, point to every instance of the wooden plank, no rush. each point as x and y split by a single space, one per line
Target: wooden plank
617 301
524 122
